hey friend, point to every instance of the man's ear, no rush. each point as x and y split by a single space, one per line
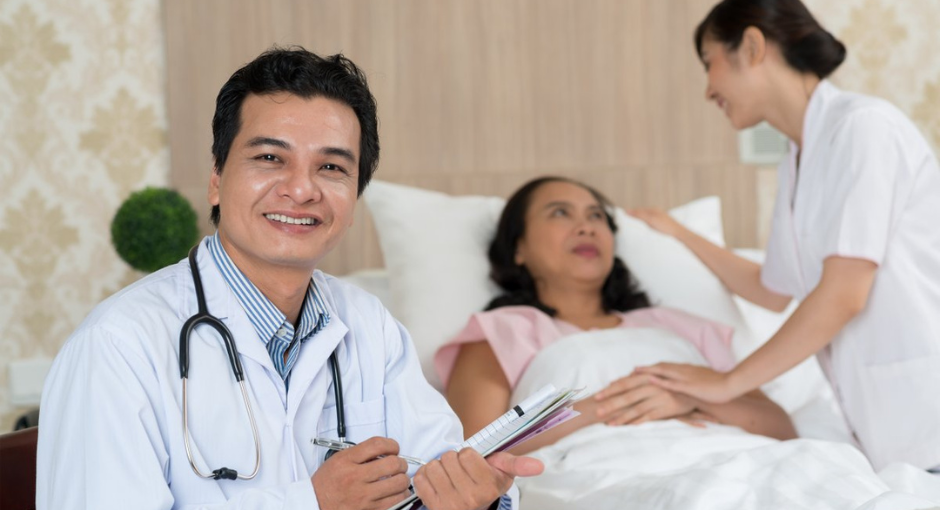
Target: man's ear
214 180
753 47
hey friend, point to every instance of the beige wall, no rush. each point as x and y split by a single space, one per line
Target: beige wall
82 122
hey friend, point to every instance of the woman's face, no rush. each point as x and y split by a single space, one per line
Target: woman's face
567 237
732 84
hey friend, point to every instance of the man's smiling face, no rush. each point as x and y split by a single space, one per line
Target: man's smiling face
288 189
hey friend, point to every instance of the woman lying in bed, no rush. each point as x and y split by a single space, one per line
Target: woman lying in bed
553 256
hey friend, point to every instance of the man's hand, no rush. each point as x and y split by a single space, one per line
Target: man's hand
356 478
466 481
633 400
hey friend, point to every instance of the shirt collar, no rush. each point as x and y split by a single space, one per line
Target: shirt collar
264 316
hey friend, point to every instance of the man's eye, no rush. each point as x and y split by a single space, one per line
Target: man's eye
332 167
267 157
559 212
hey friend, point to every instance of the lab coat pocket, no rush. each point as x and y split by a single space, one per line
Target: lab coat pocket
363 420
903 412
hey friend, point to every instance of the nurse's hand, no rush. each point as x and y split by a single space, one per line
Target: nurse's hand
696 381
658 220
366 476
466 481
634 399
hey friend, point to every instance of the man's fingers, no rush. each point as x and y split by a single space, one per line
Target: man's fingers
437 477
385 467
391 486
392 500
371 448
423 488
455 469
476 467
515 466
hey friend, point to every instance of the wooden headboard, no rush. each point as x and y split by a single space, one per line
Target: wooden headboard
478 96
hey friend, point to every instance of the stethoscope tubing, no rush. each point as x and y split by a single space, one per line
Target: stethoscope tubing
203 317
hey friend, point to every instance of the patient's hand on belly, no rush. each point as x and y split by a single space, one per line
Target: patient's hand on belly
634 399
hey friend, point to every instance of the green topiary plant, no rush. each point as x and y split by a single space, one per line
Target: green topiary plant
153 228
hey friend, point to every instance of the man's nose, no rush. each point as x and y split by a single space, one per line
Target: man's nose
300 184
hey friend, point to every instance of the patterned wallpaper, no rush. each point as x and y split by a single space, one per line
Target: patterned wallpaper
83 124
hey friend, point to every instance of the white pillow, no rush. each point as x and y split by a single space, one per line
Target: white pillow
435 251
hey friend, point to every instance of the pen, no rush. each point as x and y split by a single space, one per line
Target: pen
340 445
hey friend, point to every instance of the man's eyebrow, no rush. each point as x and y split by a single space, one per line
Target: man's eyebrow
339 151
258 141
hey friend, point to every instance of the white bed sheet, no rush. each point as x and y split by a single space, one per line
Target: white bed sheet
672 465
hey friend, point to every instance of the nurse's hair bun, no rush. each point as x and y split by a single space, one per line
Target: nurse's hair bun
805 44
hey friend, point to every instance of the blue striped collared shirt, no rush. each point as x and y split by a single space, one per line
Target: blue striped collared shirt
272 326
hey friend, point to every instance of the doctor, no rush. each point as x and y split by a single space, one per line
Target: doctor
295 143
855 234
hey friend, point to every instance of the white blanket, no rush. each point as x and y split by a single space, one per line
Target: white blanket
668 464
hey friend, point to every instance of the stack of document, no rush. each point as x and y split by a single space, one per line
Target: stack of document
539 412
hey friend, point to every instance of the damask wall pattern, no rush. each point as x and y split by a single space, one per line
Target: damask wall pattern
82 124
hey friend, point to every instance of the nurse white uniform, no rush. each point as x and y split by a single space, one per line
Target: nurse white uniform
868 186
111 426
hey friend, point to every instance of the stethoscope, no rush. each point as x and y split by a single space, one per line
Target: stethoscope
204 317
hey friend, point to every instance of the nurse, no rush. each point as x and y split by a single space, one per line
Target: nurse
295 141
855 236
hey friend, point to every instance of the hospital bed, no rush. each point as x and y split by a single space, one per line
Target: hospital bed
435 277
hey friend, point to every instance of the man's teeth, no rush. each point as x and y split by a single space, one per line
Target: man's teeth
290 221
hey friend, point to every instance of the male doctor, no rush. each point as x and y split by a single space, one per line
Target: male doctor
295 143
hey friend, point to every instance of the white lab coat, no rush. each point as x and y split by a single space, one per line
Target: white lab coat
111 423
868 186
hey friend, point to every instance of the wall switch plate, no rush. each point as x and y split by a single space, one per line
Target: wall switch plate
762 145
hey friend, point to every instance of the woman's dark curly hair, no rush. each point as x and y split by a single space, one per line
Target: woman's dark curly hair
620 291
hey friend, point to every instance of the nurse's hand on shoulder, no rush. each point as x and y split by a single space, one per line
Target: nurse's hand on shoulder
357 478
658 220
466 481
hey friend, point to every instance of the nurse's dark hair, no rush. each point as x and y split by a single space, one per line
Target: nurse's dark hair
805 44
299 72
620 292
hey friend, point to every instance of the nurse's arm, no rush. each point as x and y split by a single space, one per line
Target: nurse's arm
841 294
740 275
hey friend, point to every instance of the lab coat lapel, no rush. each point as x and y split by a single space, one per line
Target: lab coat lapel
313 359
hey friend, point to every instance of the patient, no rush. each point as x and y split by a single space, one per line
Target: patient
553 257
